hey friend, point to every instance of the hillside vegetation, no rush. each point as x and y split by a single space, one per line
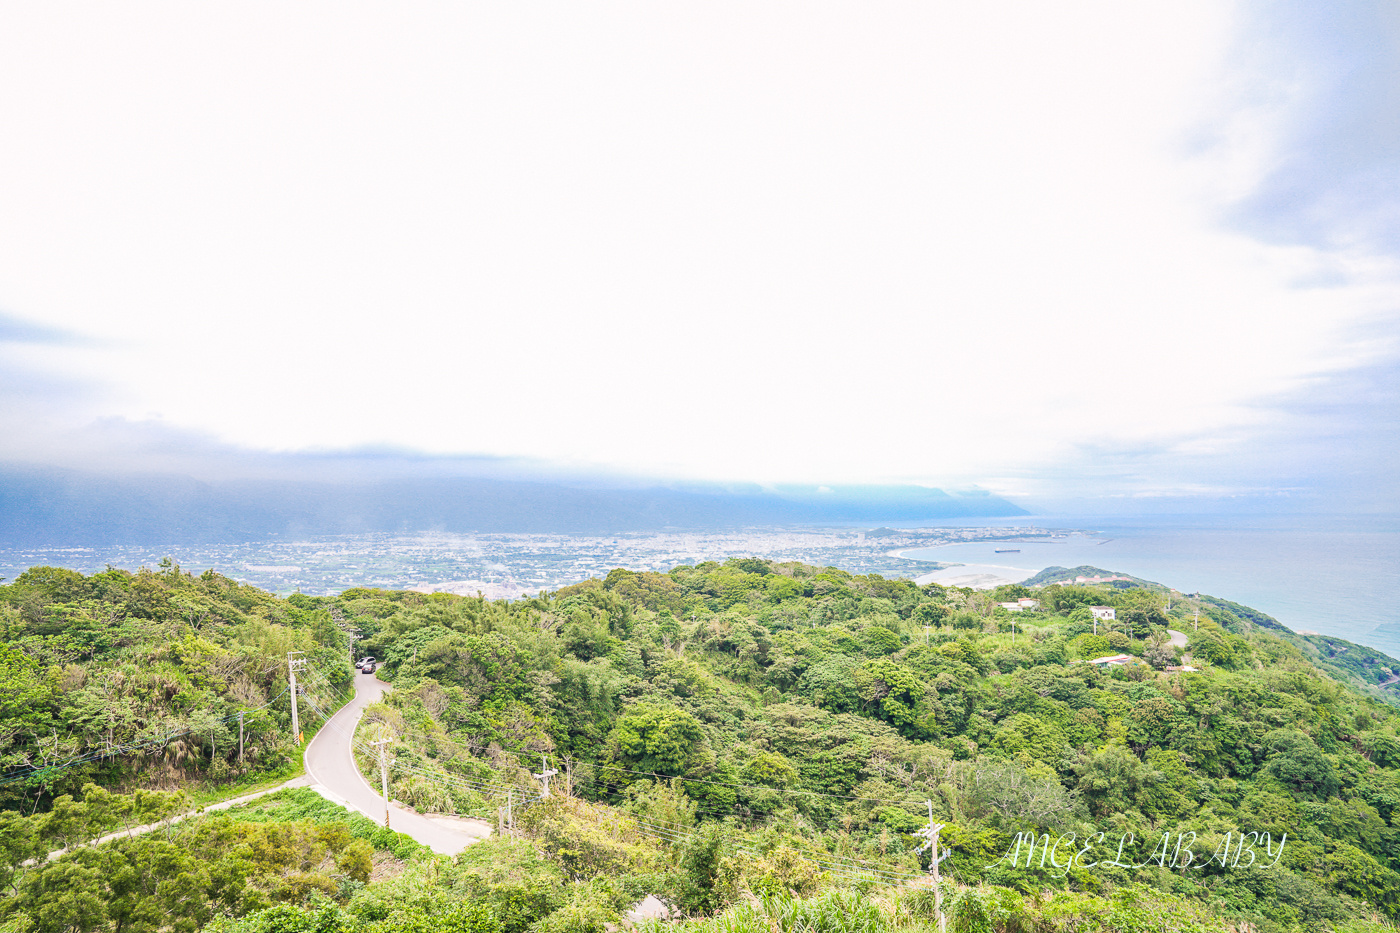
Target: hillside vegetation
136 680
757 743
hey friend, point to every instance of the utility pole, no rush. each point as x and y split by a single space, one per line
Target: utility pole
1196 623
936 857
546 772
295 664
383 774
240 736
505 818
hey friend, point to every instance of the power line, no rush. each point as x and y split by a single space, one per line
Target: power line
690 780
463 782
496 788
827 858
780 790
662 831
833 864
671 833
17 775
439 780
674 834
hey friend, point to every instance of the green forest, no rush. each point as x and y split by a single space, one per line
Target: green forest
756 743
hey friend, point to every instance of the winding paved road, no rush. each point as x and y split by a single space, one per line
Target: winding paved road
331 772
331 767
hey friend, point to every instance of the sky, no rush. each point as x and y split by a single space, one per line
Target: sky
1078 251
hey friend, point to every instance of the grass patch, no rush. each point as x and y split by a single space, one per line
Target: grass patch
300 803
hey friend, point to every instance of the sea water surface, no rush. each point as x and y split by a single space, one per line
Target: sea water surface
1336 575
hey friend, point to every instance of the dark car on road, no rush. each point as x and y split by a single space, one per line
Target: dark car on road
366 665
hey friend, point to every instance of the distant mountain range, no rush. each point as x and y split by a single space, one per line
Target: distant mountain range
47 507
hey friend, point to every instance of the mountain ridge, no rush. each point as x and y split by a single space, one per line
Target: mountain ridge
66 507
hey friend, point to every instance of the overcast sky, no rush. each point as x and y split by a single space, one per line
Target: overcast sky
1055 250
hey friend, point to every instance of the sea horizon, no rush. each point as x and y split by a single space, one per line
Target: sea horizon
1334 575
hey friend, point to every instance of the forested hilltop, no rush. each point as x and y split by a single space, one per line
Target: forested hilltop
755 742
137 680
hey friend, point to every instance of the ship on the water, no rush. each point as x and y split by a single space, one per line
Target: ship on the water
1007 550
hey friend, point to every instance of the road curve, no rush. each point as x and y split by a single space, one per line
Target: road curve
1178 639
331 767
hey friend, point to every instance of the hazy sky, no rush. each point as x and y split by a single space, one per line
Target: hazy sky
1056 250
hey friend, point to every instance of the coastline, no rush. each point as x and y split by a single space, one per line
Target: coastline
1328 574
977 576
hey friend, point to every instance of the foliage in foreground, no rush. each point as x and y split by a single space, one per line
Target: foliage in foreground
747 736
980 909
182 875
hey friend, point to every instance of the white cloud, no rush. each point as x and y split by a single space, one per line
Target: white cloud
827 242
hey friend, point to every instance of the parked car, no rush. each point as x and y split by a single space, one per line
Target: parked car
366 665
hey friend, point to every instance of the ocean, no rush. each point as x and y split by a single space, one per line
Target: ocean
1336 576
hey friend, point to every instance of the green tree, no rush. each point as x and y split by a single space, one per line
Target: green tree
1112 779
895 694
701 887
1295 759
656 739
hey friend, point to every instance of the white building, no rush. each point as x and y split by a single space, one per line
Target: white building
1114 660
1103 612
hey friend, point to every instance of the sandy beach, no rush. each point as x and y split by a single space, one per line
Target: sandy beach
976 576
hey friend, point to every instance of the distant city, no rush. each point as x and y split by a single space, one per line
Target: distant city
508 565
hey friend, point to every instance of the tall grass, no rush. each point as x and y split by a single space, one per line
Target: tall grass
829 912
972 909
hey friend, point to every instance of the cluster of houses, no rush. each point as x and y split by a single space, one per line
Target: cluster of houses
1025 604
1101 614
